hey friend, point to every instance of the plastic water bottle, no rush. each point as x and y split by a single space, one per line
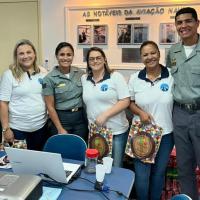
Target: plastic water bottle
91 156
46 65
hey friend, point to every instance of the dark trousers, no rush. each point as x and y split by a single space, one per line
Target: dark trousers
73 122
187 142
35 140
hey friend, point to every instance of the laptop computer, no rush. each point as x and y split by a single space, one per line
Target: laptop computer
25 161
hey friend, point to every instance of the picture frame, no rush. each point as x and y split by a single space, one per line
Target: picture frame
100 34
131 55
140 33
84 34
124 32
85 52
167 33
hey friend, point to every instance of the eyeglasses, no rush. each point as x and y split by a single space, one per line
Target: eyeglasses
98 59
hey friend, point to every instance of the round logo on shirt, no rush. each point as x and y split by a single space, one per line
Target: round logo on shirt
40 80
164 87
104 87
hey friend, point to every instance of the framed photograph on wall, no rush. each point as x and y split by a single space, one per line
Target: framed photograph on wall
100 34
84 34
168 33
140 33
123 33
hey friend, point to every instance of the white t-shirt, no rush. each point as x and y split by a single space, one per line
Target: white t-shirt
27 110
189 49
101 96
154 98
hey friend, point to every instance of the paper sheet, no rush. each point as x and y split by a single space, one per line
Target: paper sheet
50 193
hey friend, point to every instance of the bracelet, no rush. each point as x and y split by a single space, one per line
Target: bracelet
5 129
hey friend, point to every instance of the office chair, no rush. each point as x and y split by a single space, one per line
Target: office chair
181 197
68 145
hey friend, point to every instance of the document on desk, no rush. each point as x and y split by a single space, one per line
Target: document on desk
50 193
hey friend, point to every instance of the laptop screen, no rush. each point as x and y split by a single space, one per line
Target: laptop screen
25 161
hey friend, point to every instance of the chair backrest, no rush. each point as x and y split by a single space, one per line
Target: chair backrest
181 197
68 145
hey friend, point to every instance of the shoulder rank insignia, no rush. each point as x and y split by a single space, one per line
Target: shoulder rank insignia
173 62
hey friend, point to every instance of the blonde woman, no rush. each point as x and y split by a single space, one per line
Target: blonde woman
23 111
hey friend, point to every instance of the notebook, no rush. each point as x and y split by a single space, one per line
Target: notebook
25 161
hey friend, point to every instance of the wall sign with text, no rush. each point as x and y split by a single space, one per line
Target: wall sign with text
118 30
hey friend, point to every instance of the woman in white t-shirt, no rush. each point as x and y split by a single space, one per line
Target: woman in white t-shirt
152 101
106 96
23 111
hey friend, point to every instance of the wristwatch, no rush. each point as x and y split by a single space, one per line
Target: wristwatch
5 129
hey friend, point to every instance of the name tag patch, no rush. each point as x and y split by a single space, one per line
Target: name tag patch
61 85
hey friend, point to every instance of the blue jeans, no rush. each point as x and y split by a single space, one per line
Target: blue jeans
149 178
34 140
118 148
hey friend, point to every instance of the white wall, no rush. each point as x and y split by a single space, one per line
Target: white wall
53 18
52 27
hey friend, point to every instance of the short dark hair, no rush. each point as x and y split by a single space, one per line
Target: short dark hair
62 45
188 10
147 43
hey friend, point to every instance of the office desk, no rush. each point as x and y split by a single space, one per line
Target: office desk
120 180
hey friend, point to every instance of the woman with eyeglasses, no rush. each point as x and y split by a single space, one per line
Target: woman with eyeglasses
23 110
62 91
106 96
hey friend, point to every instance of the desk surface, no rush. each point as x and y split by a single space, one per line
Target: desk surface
120 180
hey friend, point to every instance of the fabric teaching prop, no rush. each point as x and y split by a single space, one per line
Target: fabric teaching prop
100 138
144 141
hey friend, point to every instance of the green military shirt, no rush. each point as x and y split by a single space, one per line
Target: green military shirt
67 92
186 73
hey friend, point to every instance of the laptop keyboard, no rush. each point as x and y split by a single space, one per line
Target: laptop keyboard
67 173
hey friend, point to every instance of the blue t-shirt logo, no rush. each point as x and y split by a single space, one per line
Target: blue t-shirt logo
164 87
104 87
40 80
